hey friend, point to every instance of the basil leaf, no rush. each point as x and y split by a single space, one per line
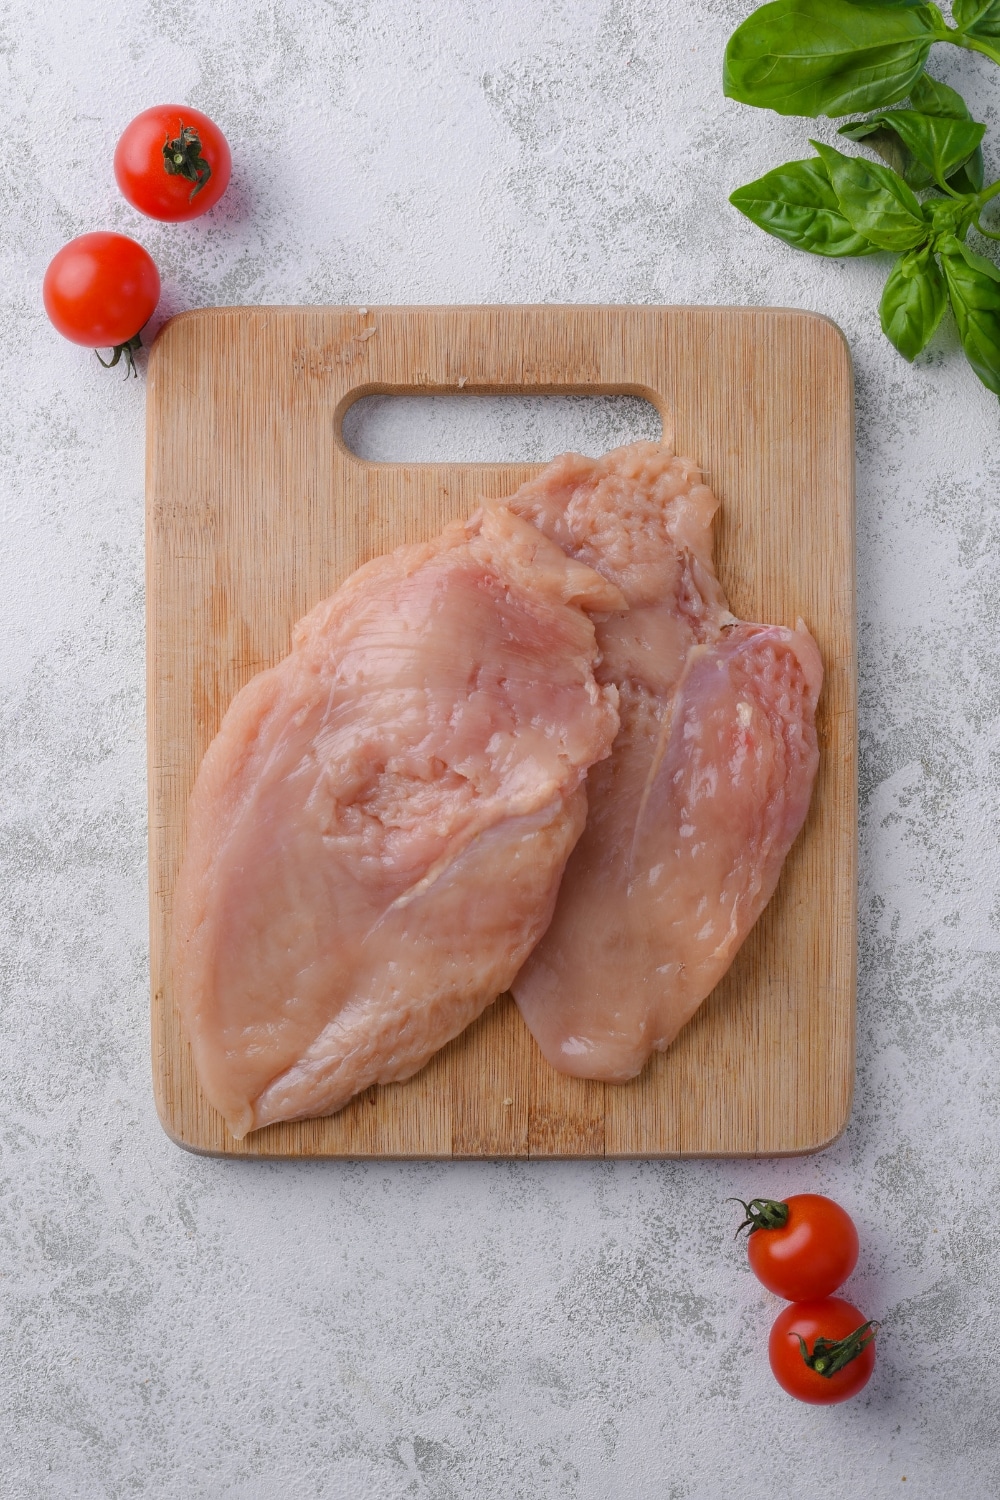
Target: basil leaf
977 18
975 262
932 97
939 143
887 144
930 144
874 200
913 301
797 204
974 289
828 57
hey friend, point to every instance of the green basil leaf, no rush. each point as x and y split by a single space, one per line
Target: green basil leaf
950 245
797 204
887 144
974 290
977 18
828 57
913 301
939 143
930 144
874 200
932 97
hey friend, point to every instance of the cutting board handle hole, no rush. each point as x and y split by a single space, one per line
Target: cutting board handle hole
435 429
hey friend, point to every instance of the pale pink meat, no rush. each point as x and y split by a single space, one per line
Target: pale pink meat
708 782
376 836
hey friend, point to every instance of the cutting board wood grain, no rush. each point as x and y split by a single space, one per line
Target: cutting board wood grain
256 510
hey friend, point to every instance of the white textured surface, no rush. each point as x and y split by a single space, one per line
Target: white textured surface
178 1327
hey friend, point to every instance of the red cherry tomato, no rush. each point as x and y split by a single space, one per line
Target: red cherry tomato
811 1254
172 163
821 1323
100 290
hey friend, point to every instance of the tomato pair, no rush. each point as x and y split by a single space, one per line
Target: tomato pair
821 1348
172 163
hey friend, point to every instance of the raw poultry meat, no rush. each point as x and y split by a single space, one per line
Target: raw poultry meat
376 836
708 783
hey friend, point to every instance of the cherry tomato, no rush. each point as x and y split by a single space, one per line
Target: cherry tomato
836 1337
804 1247
172 163
99 290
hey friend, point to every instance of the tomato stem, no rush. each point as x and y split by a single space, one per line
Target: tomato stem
830 1355
127 352
182 158
761 1213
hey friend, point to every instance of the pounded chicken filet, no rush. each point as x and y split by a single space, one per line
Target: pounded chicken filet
708 783
376 835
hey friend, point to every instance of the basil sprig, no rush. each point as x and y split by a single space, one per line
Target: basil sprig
839 205
920 201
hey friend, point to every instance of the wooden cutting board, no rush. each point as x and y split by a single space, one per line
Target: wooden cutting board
256 510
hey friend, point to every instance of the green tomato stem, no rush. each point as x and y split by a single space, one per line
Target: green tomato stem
761 1213
182 158
830 1355
126 352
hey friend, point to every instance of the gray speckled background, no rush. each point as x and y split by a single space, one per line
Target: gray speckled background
178 1327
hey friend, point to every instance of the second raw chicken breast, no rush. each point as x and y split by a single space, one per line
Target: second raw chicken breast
708 783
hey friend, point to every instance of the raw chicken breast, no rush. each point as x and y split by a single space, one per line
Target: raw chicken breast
376 836
708 783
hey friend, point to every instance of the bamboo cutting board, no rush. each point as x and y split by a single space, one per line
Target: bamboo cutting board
256 510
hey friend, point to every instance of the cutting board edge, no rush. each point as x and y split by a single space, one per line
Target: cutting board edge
763 1153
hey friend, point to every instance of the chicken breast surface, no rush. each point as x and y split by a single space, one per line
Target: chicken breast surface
376 836
708 782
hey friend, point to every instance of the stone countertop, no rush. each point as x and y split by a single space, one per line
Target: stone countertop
181 1327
